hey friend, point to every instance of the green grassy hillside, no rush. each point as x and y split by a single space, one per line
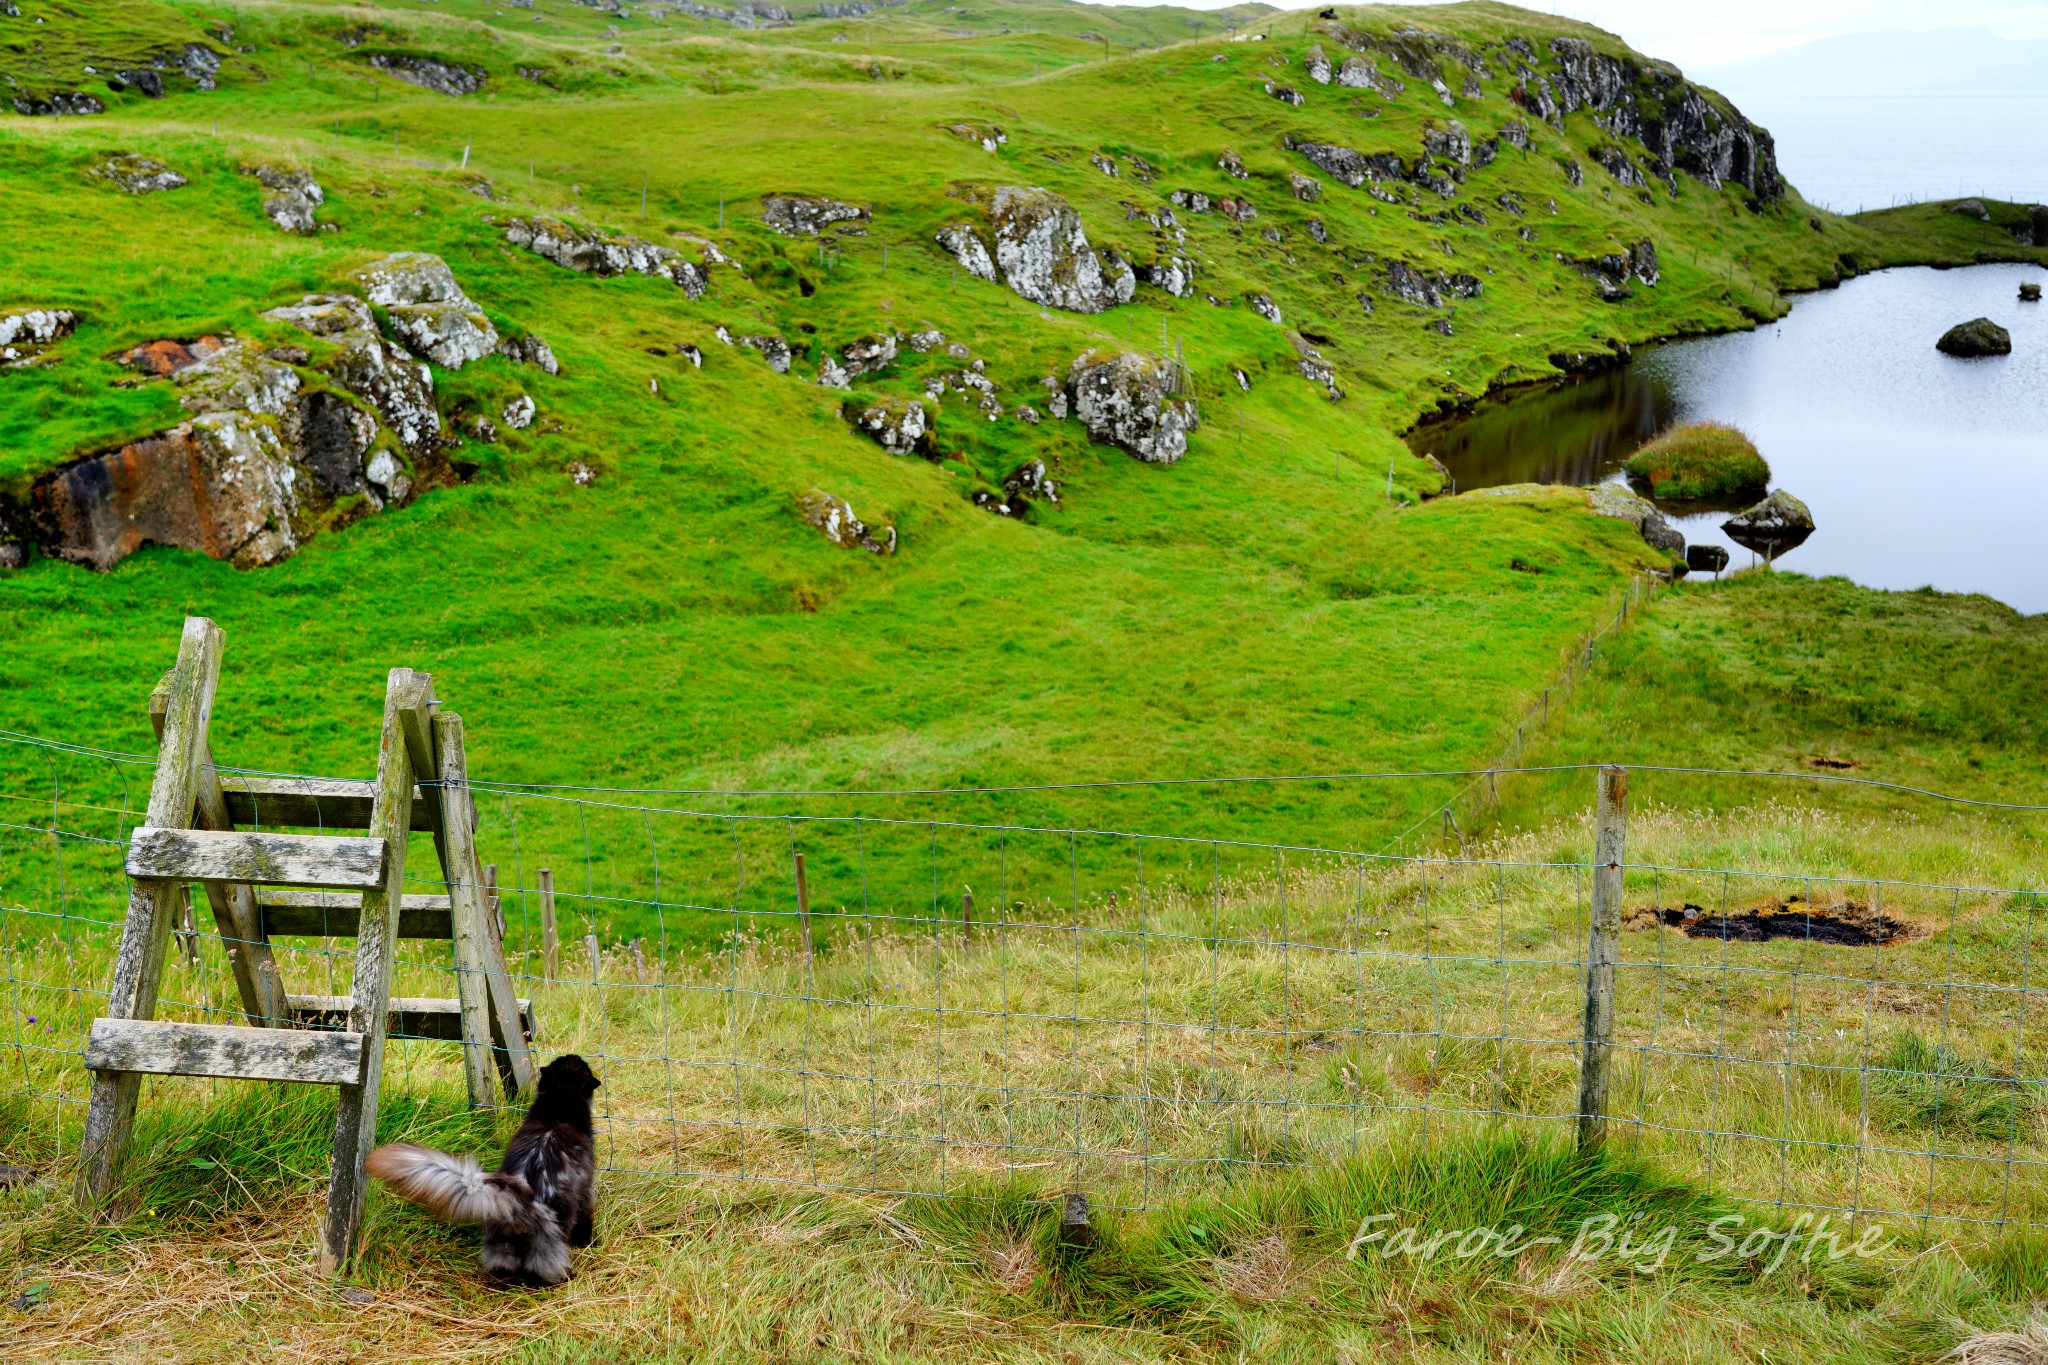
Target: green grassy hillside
1284 599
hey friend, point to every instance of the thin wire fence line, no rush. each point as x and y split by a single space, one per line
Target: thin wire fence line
1131 1021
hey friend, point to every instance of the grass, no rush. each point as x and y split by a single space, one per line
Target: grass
1697 460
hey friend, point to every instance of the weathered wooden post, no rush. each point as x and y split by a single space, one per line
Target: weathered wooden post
1603 949
596 956
966 914
550 933
803 906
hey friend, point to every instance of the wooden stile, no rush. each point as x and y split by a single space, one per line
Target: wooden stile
196 830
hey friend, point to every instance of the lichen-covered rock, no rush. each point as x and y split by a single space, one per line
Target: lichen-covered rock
1971 208
1316 370
26 332
293 197
1230 165
1286 94
1173 273
238 378
1318 66
1449 140
1041 251
1306 188
1610 275
529 350
518 413
166 356
1055 397
1615 500
438 74
1977 337
869 355
219 484
1126 400
1262 304
1105 164
834 516
135 174
773 349
1347 164
1779 523
59 104
329 436
1362 73
987 136
1642 260
142 81
896 425
374 370
927 340
1430 289
428 310
604 254
806 215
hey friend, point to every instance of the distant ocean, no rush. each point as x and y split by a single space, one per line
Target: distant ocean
1867 152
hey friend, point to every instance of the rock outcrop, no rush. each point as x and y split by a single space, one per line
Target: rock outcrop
529 350
438 74
1977 337
1352 167
1612 275
293 197
806 215
136 174
1126 400
1034 241
773 349
596 252
1614 500
834 517
382 374
59 103
896 425
1775 525
429 312
25 334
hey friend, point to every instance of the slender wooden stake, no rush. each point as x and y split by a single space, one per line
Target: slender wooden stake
355 1122
639 960
468 911
510 1047
550 935
803 907
1603 949
966 914
590 946
139 967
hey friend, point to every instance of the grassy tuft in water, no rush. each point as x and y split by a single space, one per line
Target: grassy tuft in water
1699 460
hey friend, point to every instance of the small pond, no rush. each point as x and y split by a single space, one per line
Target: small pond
1919 469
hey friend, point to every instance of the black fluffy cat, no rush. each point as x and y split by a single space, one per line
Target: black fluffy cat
540 1200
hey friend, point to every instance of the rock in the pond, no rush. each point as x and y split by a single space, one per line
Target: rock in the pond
896 425
604 254
529 350
2030 292
428 310
1126 400
834 516
1775 525
806 215
1705 558
1034 239
438 74
293 197
135 174
1977 337
24 333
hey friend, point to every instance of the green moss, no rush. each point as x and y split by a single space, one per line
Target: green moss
1699 460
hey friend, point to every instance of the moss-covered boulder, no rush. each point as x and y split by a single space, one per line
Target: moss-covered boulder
1978 336
1699 460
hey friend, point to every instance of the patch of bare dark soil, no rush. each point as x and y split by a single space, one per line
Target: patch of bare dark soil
1849 923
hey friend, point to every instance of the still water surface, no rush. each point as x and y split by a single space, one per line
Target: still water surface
1919 469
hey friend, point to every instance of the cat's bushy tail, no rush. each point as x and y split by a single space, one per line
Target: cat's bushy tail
454 1188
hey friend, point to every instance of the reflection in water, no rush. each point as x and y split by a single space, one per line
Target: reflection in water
1579 430
1919 468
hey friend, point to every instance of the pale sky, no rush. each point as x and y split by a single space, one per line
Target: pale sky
1710 31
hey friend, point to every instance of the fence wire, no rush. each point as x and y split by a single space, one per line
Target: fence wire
912 1007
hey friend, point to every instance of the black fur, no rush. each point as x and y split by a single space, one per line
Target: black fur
540 1201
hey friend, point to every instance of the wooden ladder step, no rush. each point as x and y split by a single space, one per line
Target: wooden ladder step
322 861
308 802
225 1050
412 1016
336 914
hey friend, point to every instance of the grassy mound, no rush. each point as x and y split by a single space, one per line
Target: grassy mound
1700 460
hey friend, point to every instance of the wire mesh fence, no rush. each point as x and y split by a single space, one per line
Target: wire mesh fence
920 1007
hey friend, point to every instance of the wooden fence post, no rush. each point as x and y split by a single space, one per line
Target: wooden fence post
803 906
596 955
550 934
966 914
1603 948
